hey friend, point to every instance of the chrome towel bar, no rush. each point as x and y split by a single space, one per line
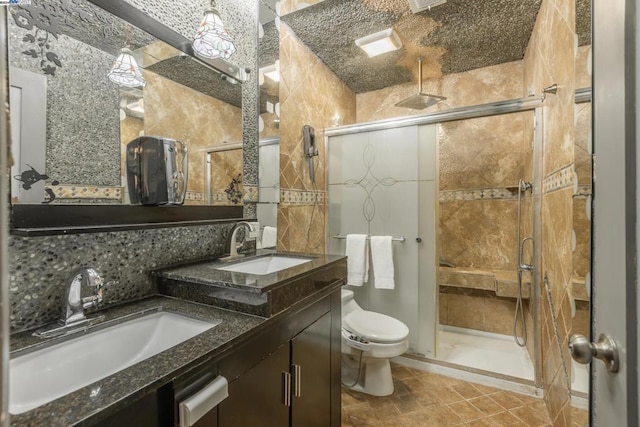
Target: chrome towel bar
395 239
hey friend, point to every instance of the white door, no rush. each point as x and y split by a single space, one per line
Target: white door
614 298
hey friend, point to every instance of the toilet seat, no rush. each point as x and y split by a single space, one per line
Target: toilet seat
375 327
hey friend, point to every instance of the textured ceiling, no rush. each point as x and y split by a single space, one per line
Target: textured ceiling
583 22
457 36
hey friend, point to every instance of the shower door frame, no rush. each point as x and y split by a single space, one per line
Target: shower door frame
532 103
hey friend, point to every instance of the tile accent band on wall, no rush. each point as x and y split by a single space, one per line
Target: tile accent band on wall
85 192
251 194
478 194
194 196
560 179
299 197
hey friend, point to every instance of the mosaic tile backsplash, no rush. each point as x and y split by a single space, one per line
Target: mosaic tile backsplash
39 267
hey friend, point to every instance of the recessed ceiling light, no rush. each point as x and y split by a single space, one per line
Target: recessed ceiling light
381 42
420 5
272 72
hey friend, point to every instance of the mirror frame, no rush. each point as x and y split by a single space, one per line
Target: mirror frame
38 220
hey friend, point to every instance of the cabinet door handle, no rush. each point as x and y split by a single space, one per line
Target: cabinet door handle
286 388
297 388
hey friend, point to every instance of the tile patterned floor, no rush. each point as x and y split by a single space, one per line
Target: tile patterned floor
425 399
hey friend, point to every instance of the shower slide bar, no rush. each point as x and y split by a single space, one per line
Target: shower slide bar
395 239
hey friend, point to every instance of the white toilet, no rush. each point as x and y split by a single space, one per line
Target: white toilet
369 340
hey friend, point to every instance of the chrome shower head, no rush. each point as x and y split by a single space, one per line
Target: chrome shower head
420 101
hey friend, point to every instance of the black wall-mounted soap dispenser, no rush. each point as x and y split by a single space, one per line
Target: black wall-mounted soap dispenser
156 171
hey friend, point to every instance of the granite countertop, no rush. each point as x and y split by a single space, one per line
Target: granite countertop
106 396
126 386
207 273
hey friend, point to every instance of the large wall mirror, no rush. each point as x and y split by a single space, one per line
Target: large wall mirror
269 121
71 123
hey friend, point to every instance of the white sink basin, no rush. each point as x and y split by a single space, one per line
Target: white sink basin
45 375
265 265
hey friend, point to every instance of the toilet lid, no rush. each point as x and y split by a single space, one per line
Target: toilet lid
375 326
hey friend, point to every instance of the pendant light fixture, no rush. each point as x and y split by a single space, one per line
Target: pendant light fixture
212 40
125 70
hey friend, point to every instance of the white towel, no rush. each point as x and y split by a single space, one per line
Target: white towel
357 259
382 260
269 235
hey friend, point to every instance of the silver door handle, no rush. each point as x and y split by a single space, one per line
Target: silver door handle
297 385
583 351
286 388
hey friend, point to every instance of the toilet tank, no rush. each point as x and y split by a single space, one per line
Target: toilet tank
349 303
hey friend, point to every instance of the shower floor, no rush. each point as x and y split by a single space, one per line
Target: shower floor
485 351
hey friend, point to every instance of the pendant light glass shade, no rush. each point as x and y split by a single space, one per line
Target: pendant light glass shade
212 40
125 70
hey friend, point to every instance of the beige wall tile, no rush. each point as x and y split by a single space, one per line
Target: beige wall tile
582 228
583 79
310 94
495 83
175 111
479 234
465 311
498 316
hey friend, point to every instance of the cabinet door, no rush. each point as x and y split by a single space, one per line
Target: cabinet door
311 369
257 397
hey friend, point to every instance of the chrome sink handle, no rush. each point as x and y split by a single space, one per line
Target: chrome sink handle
75 304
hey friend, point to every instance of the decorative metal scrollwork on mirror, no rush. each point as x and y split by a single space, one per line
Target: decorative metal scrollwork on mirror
89 76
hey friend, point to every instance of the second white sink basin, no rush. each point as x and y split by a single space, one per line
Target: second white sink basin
265 265
47 374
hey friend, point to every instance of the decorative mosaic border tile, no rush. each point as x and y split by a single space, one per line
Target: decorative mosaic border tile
194 196
222 199
250 194
84 192
301 197
560 179
478 194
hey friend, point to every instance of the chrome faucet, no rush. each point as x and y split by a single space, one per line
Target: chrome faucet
75 304
233 244
73 319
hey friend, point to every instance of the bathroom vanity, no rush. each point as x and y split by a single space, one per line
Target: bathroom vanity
282 367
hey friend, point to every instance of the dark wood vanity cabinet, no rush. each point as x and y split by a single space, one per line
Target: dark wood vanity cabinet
311 375
256 398
297 384
290 387
285 375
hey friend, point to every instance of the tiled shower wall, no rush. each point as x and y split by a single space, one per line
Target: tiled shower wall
550 59
310 94
480 163
581 200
